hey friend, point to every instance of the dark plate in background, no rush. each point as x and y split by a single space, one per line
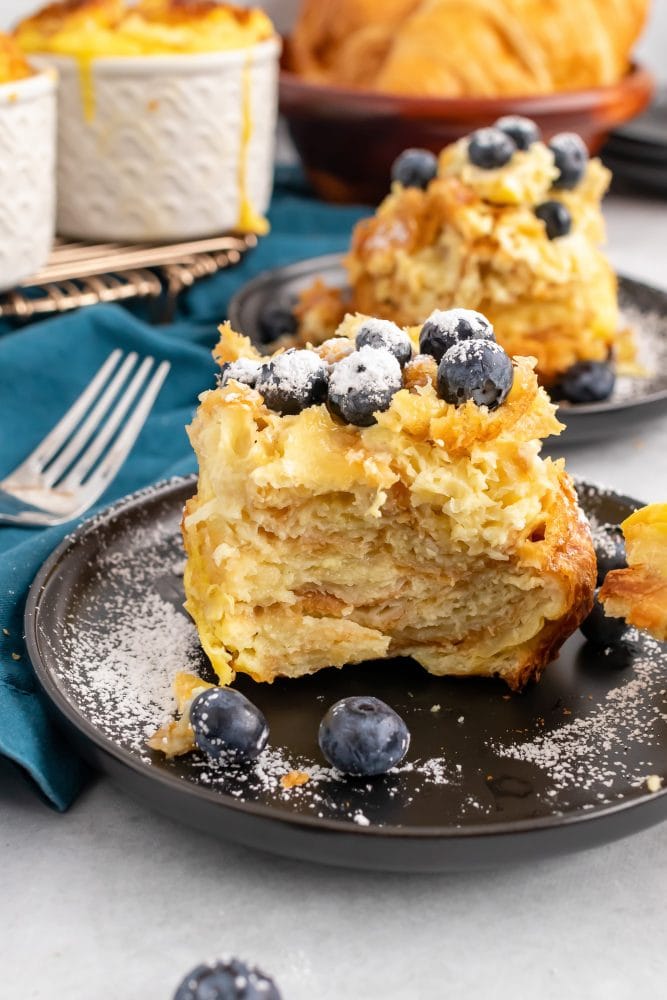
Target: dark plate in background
491 777
634 401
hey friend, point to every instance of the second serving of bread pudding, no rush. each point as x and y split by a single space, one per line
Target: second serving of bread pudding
502 223
361 501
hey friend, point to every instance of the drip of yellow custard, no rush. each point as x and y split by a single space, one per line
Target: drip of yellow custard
249 220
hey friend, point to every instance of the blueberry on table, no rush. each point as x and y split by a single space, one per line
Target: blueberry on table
587 382
293 381
363 736
475 369
609 550
385 335
556 218
363 384
274 322
601 630
570 157
415 168
490 148
225 723
446 327
227 980
523 131
244 370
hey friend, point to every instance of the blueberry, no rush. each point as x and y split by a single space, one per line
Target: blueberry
490 148
556 218
244 370
586 382
601 630
227 980
609 550
226 722
444 328
571 157
293 381
362 384
363 736
475 369
384 335
274 322
415 168
522 130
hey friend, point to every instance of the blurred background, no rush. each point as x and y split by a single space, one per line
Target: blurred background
650 50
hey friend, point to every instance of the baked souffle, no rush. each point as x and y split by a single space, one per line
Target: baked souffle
502 223
88 28
638 593
363 500
13 64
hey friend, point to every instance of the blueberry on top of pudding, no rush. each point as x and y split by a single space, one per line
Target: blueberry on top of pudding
571 157
490 148
475 369
523 131
415 168
293 381
385 335
363 384
446 327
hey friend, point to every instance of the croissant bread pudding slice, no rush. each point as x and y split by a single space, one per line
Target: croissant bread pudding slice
346 510
639 593
502 223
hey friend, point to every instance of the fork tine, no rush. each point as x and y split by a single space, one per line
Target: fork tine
57 436
120 449
99 442
88 427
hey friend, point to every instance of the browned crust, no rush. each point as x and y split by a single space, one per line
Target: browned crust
639 595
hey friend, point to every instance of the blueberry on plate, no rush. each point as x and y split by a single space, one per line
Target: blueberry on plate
601 630
475 369
226 723
363 736
274 322
229 979
570 157
385 335
609 550
446 327
293 381
244 370
556 218
415 168
586 382
490 148
523 131
363 384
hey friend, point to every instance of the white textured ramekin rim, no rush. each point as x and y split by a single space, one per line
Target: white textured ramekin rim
28 88
175 62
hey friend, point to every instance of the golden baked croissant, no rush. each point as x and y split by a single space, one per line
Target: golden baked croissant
466 47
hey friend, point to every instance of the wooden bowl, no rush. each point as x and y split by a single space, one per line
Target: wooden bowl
348 138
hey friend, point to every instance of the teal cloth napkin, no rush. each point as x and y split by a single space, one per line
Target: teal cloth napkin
43 367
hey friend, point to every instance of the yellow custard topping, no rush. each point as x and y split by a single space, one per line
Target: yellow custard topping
90 28
13 65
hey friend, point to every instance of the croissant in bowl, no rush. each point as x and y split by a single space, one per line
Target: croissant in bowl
456 48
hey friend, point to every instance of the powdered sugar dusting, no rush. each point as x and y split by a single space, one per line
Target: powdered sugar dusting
367 370
292 372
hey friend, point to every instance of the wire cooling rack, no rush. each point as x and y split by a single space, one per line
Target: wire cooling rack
79 274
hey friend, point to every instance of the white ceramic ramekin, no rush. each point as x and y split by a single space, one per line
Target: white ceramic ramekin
165 147
27 175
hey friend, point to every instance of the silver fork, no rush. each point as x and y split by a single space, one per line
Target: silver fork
76 461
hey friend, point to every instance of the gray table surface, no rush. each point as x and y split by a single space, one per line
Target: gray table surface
112 901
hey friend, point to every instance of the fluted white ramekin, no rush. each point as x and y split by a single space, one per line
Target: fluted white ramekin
162 147
27 175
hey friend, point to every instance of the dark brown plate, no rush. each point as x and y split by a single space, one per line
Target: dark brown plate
633 402
490 777
348 138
